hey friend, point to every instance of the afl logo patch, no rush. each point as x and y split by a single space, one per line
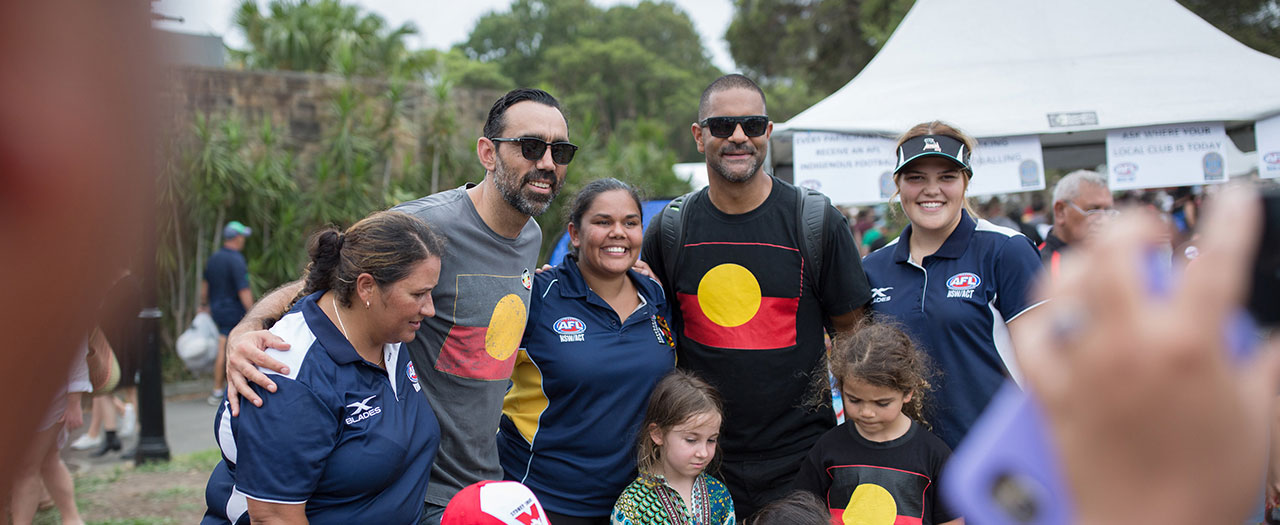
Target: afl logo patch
1272 159
411 372
570 329
963 281
569 326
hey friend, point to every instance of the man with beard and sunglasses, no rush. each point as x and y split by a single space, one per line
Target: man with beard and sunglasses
753 297
462 358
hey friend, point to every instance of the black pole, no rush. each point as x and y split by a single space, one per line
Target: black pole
152 445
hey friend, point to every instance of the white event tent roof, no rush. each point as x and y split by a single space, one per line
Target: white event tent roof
1064 70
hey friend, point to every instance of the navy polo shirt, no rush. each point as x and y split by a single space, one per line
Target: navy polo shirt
579 391
955 306
352 441
227 274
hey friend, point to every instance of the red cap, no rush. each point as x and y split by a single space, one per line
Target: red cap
494 503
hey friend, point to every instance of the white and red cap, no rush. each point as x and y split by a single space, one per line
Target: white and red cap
494 503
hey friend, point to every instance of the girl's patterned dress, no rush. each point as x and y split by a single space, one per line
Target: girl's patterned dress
649 500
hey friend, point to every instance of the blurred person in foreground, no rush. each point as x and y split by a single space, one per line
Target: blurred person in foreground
76 178
1153 420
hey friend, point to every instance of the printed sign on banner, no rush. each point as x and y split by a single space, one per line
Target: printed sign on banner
1007 165
1267 133
851 169
1163 156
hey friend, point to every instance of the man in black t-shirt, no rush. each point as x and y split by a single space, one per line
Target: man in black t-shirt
750 310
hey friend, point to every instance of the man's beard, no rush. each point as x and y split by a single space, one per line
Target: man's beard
720 168
510 186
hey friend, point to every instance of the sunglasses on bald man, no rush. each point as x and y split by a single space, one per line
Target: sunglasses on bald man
723 127
533 148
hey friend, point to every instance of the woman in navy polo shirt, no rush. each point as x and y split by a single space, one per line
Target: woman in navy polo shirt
957 282
596 343
347 437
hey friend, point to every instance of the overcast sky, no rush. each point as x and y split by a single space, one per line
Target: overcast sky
441 23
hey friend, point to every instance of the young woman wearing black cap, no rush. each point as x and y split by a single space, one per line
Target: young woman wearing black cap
955 281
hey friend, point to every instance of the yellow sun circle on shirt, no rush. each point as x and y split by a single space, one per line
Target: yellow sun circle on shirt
729 295
506 326
871 504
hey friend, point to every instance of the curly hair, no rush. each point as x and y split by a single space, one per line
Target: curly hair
880 353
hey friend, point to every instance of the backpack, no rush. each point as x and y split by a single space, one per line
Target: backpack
811 216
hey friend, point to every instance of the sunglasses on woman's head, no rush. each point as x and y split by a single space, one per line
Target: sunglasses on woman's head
723 127
533 149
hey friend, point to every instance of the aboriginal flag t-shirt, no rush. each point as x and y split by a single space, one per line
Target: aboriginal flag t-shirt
888 483
751 317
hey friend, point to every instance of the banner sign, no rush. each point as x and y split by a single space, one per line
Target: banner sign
1165 156
851 169
1267 135
1007 165
857 169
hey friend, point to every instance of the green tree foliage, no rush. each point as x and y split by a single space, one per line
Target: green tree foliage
636 154
454 69
607 66
324 36
1255 23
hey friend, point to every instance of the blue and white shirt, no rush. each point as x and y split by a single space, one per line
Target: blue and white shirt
955 306
581 384
352 441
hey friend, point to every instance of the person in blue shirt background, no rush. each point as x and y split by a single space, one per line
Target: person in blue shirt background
957 283
596 343
347 437
225 293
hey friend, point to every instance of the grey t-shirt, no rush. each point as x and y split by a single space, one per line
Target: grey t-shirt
464 355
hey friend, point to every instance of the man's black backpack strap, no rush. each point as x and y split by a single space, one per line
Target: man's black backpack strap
811 229
671 222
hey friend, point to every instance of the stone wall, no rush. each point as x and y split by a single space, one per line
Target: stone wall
301 106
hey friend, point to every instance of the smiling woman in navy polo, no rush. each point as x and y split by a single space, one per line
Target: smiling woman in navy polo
347 437
596 343
955 282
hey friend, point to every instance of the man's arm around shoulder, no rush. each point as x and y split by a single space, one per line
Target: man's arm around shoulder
247 344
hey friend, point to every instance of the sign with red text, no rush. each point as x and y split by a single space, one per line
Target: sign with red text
1169 155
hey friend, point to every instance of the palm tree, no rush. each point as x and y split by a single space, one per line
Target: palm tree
323 36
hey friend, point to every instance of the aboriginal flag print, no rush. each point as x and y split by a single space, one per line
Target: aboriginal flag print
745 295
867 495
489 317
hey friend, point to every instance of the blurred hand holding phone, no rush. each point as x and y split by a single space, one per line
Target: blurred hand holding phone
1099 335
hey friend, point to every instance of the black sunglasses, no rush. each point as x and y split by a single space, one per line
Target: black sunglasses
723 127
533 149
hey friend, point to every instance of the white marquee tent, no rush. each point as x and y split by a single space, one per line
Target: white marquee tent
1066 71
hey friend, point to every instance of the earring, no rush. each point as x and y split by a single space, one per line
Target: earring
366 305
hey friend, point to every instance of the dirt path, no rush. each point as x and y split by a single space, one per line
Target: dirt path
159 494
